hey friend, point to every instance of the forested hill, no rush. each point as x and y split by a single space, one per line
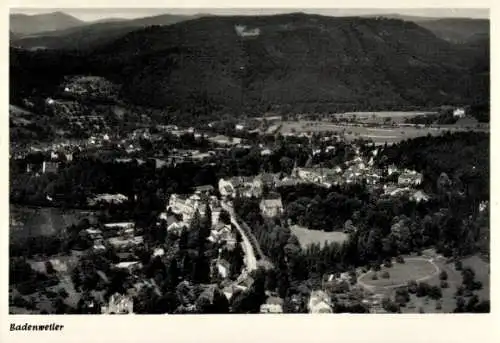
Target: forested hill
299 61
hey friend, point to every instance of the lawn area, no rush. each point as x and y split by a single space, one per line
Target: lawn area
379 134
307 237
414 268
448 300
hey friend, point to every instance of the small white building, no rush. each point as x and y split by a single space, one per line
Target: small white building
272 305
410 178
319 302
271 207
129 265
419 196
119 304
459 113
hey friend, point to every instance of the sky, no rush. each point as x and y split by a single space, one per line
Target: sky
90 14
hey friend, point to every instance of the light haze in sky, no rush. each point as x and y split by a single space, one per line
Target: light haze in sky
90 14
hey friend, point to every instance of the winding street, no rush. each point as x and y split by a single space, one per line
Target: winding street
250 259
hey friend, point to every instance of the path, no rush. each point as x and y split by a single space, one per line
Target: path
425 278
250 259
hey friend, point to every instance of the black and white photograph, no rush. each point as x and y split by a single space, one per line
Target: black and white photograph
249 161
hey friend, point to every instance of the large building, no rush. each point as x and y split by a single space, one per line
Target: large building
241 186
410 178
271 207
186 205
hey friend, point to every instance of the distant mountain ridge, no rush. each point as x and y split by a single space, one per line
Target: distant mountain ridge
22 24
76 34
89 35
294 61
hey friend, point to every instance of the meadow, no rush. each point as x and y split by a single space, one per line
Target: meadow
307 237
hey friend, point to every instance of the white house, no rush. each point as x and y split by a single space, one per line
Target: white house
129 265
272 305
119 304
410 178
319 302
186 205
271 207
419 196
176 228
223 268
392 169
245 186
459 113
122 225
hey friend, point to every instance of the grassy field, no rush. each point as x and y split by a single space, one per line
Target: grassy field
425 270
28 221
379 135
307 237
418 269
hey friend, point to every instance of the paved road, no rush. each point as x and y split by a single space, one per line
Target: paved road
250 259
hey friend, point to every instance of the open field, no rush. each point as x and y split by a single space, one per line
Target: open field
414 271
448 300
379 134
414 268
307 237
31 221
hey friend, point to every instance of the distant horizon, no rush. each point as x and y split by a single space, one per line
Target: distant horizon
93 14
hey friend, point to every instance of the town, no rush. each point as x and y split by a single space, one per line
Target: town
276 174
128 259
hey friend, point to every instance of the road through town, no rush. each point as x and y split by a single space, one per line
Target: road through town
250 259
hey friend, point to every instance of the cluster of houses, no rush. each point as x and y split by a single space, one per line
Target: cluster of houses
107 199
89 85
260 186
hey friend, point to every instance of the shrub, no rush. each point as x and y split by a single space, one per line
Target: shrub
472 303
458 265
388 263
51 294
385 275
390 306
400 259
412 286
435 292
439 305
374 276
460 305
63 293
49 267
468 276
423 289
468 293
443 275
444 284
20 301
402 296
483 307
476 285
